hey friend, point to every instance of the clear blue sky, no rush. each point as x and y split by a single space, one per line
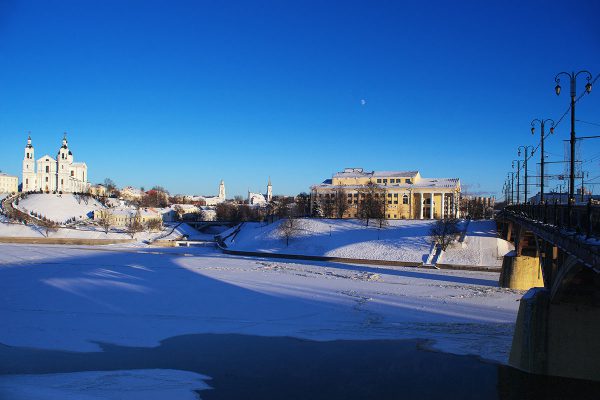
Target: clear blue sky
182 94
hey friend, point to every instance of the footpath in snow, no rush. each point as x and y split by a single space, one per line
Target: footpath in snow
402 240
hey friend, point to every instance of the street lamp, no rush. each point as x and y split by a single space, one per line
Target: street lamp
588 88
542 123
510 185
518 178
525 158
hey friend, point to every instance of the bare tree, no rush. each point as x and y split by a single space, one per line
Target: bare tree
110 186
371 203
180 211
48 226
302 204
105 219
341 203
154 224
444 232
289 228
327 207
134 224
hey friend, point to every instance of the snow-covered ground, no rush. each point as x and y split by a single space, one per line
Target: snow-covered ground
94 232
59 207
481 246
73 298
402 240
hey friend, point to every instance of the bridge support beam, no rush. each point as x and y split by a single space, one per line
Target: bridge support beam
556 338
521 272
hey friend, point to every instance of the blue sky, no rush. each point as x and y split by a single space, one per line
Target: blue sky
182 94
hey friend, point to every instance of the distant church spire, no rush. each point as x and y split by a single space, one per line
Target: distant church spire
269 191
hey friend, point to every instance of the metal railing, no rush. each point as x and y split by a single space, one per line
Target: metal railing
583 219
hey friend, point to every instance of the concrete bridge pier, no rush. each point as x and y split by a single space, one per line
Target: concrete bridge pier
558 330
521 269
521 272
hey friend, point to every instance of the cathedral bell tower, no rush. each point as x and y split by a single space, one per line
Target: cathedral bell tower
222 190
269 191
64 166
29 182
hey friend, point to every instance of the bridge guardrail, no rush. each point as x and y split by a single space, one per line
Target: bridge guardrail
582 218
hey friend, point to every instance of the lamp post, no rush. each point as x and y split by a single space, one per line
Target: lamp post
510 177
588 88
518 178
525 158
542 123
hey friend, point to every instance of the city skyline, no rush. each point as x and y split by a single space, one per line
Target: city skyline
184 95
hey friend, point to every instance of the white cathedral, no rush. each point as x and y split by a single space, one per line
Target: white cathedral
260 199
58 174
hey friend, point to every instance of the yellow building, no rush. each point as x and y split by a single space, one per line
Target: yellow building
8 183
120 217
407 194
98 190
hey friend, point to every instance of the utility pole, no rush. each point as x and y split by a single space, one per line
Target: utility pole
542 122
518 178
526 157
573 92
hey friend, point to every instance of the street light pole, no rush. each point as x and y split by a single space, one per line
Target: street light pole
526 157
542 123
518 178
588 88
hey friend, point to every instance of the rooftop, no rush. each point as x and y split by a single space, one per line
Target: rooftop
361 173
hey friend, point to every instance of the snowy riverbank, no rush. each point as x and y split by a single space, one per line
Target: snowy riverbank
403 240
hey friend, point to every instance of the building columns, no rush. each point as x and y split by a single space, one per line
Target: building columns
431 206
443 205
421 205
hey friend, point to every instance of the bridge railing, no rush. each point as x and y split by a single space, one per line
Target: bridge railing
582 218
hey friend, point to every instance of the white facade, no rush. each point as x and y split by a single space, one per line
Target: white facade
9 183
51 174
259 199
130 193
214 200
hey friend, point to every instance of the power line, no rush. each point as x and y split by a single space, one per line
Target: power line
586 122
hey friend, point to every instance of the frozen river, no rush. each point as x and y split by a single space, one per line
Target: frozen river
168 322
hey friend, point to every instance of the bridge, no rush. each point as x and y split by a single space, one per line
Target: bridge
557 253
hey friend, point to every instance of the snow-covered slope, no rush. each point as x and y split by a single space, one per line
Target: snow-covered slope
404 240
481 246
59 207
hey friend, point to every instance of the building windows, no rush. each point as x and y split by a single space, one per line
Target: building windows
46 179
27 181
389 195
47 170
385 181
405 199
72 173
392 181
395 194
395 201
407 181
378 180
